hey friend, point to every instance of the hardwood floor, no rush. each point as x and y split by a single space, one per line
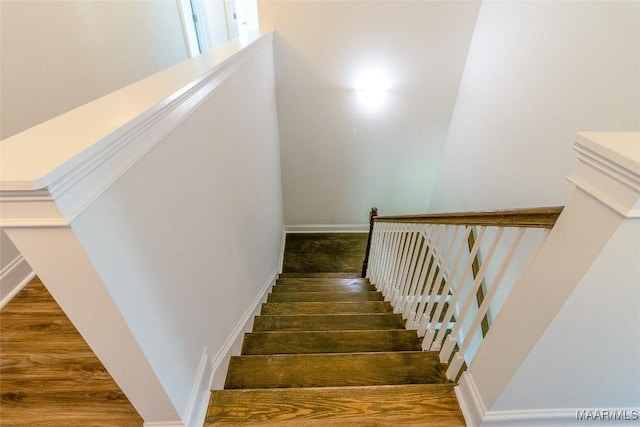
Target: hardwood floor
48 374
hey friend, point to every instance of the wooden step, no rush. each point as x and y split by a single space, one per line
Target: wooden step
332 281
334 370
431 405
326 307
303 342
321 275
320 287
324 296
323 322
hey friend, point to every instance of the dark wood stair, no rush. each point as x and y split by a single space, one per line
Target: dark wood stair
327 350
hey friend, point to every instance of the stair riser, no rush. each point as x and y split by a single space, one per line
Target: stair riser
328 322
294 308
333 370
302 287
324 296
311 281
329 342
418 405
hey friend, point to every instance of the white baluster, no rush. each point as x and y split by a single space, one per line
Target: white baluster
425 318
390 258
398 301
378 251
373 253
446 321
423 283
407 236
418 281
455 365
470 296
396 260
452 372
422 250
382 253
410 271
430 324
431 288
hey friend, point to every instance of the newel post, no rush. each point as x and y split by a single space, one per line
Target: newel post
365 263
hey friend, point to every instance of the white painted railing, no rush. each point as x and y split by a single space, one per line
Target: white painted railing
443 272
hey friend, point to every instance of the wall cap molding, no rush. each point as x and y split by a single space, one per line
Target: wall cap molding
52 172
609 169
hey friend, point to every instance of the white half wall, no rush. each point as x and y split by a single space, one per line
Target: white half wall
187 237
158 225
340 155
537 73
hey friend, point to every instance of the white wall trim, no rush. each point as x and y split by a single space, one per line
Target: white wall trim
327 228
233 343
282 246
13 278
163 424
102 152
475 413
470 400
198 402
609 169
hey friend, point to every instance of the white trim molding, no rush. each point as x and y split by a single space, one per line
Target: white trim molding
198 402
233 343
609 169
162 424
75 157
328 228
470 400
13 278
476 414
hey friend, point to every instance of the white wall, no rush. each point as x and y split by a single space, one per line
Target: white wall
338 158
537 73
59 55
187 237
594 338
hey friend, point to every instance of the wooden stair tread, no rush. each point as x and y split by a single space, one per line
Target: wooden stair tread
431 405
324 322
328 275
333 370
299 342
326 307
324 296
319 287
319 280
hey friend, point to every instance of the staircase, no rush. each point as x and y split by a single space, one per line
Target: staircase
327 350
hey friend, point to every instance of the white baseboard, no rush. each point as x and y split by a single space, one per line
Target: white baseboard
328 228
233 344
163 424
476 415
200 393
13 277
470 401
282 243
